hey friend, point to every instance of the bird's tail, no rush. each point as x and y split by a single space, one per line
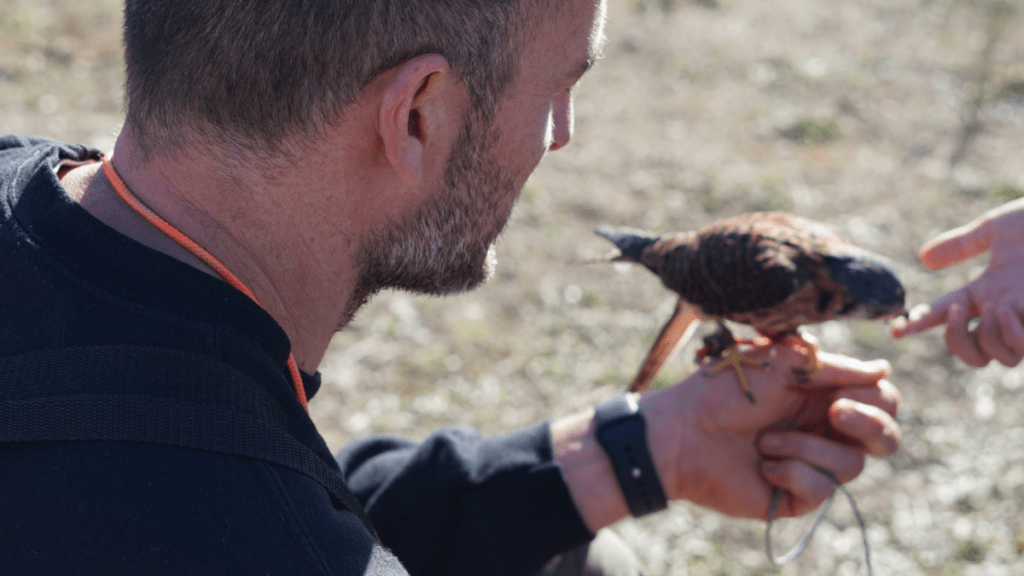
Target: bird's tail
630 244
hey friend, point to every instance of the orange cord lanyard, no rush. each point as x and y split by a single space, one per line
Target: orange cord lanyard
187 243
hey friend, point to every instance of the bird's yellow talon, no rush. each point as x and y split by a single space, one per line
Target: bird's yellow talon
736 359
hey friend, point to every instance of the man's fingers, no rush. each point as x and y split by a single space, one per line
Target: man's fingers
1012 331
991 339
805 486
960 340
839 370
956 245
845 462
921 318
794 459
885 396
873 427
925 316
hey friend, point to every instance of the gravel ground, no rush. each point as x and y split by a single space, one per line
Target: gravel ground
888 120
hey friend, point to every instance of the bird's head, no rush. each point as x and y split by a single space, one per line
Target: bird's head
872 288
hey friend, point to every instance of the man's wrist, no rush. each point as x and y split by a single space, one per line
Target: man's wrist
586 471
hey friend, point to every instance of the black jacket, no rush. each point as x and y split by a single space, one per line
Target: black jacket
453 504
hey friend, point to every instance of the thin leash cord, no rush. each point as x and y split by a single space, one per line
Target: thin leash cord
777 494
199 252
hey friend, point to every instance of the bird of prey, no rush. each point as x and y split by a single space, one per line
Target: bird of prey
770 270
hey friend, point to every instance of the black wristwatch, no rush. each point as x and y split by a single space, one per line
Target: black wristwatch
622 432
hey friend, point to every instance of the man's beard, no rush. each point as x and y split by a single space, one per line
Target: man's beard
445 244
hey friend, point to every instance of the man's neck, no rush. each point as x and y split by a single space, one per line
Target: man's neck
87 185
267 243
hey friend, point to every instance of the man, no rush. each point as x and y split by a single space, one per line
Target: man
312 154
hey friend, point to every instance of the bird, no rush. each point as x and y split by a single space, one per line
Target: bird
773 271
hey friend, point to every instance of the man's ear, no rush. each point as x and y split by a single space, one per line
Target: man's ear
411 111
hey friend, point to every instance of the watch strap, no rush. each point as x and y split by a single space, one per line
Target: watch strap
622 433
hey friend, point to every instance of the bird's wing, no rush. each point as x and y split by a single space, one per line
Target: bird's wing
733 270
677 332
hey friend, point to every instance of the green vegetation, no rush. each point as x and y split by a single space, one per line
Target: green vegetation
811 130
1006 192
971 551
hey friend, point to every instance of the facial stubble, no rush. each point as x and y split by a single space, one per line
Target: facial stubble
445 244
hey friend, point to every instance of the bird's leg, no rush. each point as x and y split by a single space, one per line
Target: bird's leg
809 350
716 343
721 346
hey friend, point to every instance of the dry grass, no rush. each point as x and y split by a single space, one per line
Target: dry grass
890 120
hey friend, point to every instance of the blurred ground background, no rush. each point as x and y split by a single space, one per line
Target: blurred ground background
891 120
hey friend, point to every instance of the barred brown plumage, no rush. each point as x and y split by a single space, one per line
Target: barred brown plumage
771 270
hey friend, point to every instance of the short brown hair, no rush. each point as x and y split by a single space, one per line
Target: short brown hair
247 73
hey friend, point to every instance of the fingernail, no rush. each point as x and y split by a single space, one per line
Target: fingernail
844 409
920 310
879 365
897 324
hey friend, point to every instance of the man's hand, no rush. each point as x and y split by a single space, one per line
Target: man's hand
713 447
730 454
996 298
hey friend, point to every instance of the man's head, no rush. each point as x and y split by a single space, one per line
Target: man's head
245 74
405 128
444 243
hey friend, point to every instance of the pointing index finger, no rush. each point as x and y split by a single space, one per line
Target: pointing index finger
920 318
956 245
